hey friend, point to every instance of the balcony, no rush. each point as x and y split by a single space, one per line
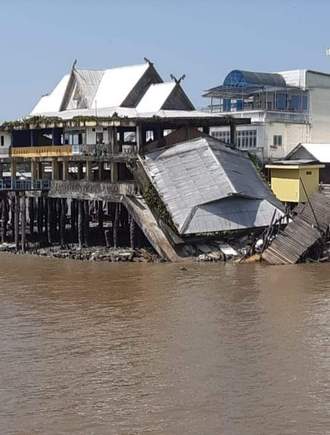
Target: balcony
92 190
103 150
42 151
9 184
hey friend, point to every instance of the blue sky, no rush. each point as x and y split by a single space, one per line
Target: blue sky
203 39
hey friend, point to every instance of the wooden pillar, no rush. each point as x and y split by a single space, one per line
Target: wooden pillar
115 226
80 223
73 215
89 173
62 221
4 218
50 221
100 214
132 232
31 215
23 223
39 216
34 170
233 140
80 171
12 215
65 170
55 169
17 220
86 221
13 168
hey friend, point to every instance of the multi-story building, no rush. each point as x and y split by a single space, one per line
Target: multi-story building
286 108
82 148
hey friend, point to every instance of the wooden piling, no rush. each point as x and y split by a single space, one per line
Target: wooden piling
16 220
31 215
132 232
86 222
5 216
62 221
80 223
50 221
23 222
115 226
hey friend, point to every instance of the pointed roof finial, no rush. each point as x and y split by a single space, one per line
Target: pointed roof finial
148 61
178 81
74 65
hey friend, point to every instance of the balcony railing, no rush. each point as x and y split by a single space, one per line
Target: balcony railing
102 150
42 151
9 184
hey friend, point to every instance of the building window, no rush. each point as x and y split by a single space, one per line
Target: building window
246 139
277 140
99 138
2 141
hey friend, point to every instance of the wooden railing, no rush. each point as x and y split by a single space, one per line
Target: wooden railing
42 151
92 189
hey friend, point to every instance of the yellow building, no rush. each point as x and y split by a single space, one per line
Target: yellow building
290 180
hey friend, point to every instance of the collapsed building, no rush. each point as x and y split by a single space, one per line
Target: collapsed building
123 149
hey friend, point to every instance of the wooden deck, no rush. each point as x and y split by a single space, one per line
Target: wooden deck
309 225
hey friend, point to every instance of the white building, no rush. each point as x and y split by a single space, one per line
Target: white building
286 108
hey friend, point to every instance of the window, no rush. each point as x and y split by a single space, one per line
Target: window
246 139
277 140
99 138
2 141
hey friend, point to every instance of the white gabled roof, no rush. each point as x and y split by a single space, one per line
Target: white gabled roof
319 151
116 84
52 102
155 97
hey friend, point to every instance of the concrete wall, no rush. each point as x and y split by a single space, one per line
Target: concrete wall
6 138
320 115
91 135
292 135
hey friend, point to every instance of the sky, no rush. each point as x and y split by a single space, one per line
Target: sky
40 39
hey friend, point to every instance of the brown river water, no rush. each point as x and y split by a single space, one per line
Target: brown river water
89 348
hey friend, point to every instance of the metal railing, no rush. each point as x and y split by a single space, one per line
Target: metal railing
9 184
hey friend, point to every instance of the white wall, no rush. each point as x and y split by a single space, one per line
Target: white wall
320 115
7 138
91 135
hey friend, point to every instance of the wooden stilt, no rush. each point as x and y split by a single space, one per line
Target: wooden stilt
80 223
62 222
132 232
50 221
23 222
39 217
86 222
16 217
115 226
4 219
100 214
31 215
12 215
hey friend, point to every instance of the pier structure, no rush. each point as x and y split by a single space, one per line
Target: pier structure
70 172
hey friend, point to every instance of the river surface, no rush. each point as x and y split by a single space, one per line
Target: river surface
217 349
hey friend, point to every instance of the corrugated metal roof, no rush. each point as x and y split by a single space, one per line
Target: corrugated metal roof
193 178
52 102
317 151
155 97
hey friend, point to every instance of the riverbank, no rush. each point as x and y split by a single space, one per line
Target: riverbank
93 253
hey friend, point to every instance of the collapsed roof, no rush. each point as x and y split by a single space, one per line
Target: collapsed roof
208 187
136 87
